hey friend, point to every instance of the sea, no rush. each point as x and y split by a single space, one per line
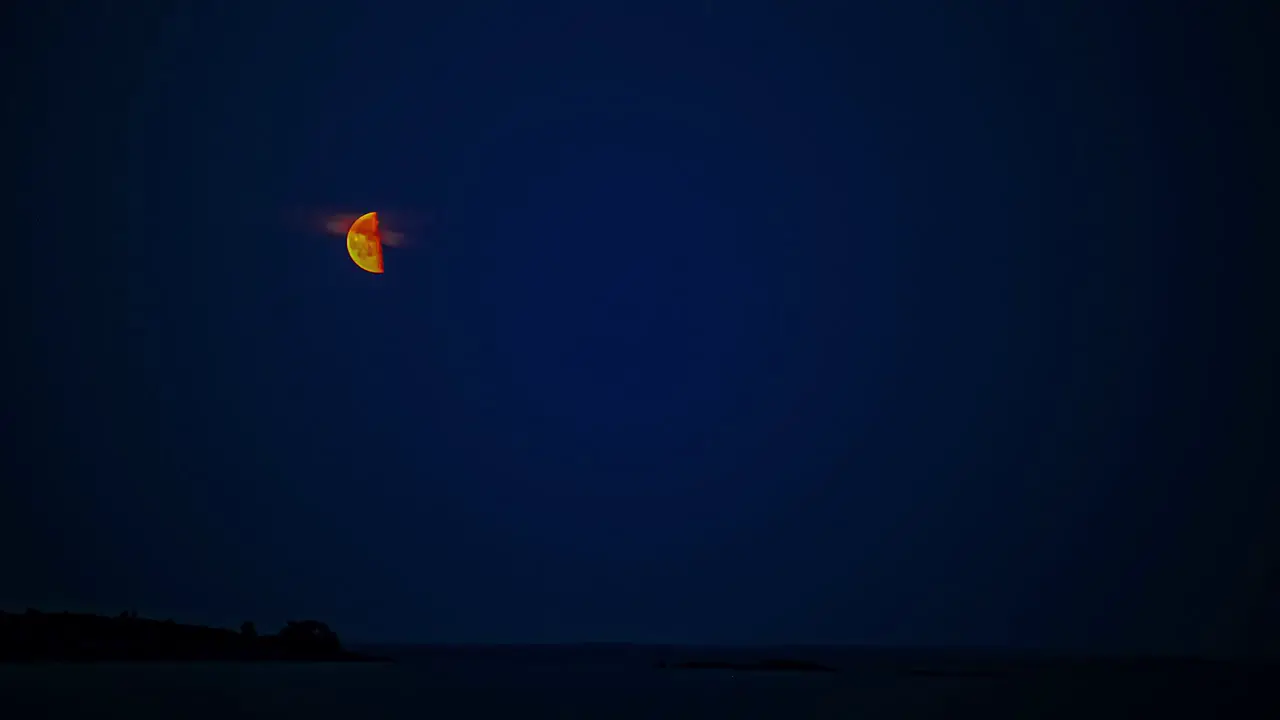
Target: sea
623 682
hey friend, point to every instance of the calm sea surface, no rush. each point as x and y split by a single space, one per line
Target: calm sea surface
622 683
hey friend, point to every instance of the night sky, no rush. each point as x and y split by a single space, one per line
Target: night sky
909 322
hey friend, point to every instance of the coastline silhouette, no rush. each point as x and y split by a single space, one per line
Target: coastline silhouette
770 665
36 636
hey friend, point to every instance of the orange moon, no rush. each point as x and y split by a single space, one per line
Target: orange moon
364 243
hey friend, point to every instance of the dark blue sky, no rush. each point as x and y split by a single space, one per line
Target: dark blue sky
728 322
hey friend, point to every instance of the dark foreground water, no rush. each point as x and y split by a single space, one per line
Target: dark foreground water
622 683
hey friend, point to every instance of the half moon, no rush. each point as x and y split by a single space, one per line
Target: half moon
364 243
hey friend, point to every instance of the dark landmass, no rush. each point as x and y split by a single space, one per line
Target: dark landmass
36 636
761 666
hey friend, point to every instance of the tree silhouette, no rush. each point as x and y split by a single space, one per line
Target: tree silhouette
36 636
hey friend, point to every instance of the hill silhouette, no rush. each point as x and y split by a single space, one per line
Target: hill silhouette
36 636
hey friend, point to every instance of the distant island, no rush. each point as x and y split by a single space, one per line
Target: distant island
36 636
762 666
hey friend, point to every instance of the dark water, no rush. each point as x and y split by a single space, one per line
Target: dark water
621 682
